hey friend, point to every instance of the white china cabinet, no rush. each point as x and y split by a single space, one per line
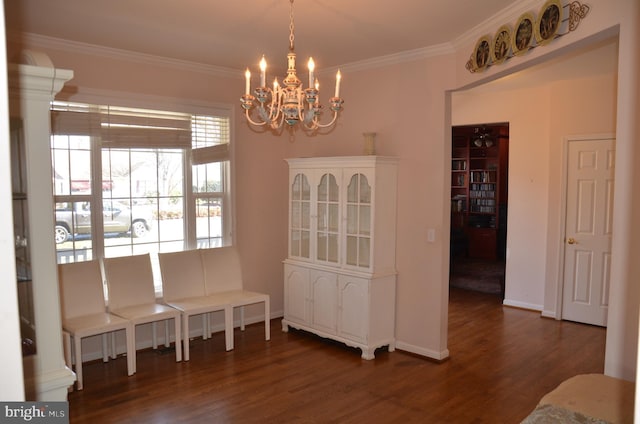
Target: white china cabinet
340 274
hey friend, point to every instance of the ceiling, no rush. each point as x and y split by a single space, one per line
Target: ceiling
236 33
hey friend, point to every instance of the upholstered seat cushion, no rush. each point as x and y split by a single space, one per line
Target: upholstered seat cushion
588 398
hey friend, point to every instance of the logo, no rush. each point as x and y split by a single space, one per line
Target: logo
34 412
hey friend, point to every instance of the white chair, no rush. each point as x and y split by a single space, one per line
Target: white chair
183 289
132 296
84 313
223 280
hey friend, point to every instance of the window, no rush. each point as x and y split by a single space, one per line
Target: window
132 181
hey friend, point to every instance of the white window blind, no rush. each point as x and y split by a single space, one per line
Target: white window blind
122 126
126 127
210 139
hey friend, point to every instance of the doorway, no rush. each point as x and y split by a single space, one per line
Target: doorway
479 201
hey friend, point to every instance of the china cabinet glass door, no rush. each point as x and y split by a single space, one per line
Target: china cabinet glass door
328 219
359 222
300 217
22 236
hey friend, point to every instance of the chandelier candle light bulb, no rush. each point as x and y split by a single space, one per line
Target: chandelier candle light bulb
312 66
247 86
290 103
263 72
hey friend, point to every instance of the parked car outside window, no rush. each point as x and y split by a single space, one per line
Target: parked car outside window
74 218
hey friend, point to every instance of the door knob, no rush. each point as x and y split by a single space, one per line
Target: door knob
571 240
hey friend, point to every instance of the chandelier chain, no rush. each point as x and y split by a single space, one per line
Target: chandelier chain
291 27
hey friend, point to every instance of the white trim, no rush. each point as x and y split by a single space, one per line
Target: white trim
395 58
563 228
505 16
53 385
52 43
418 350
195 331
523 305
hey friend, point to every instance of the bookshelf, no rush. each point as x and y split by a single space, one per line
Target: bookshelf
479 160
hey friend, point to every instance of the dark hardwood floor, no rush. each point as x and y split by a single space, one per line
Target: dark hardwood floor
503 360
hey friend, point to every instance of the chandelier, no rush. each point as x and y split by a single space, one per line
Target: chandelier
288 103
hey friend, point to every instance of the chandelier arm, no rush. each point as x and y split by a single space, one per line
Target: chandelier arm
276 99
312 127
276 125
309 116
302 111
335 116
252 121
276 106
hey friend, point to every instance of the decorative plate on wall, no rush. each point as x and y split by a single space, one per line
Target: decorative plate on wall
523 37
501 46
482 54
549 20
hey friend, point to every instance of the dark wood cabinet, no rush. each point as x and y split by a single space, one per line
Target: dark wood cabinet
479 163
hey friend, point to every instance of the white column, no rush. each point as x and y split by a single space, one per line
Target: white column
31 89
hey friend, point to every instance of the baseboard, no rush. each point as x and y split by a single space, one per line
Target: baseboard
146 343
432 354
523 305
549 314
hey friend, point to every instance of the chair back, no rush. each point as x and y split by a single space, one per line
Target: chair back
182 275
222 271
81 290
129 280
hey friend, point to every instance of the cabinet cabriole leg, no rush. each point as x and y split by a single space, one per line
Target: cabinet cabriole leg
368 353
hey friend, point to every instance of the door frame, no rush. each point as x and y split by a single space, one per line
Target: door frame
563 211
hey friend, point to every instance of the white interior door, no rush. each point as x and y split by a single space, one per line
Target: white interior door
588 230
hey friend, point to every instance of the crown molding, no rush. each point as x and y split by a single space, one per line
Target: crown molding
52 43
396 58
508 15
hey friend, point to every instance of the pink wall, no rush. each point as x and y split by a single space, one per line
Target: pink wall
526 111
577 107
607 19
407 105
540 118
260 172
404 105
